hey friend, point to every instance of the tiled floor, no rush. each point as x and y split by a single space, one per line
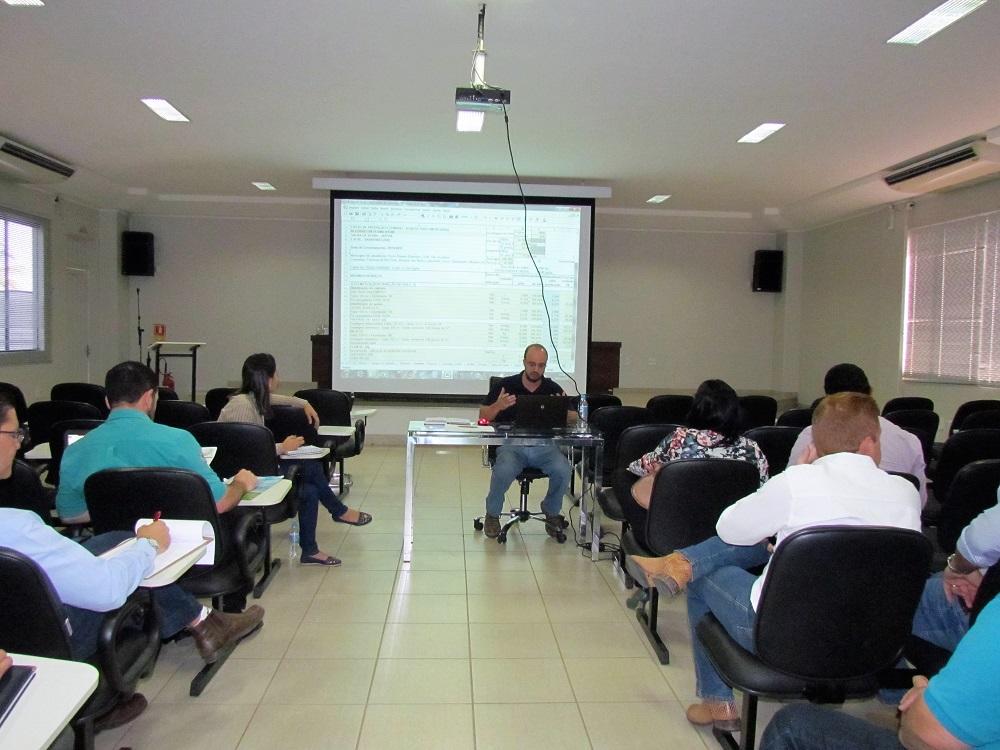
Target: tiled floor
475 645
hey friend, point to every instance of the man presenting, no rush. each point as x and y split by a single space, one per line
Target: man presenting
511 460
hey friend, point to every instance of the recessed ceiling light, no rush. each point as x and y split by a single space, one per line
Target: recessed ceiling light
24 2
264 186
469 121
657 199
761 132
165 109
940 18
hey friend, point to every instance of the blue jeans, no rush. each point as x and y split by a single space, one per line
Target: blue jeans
513 459
803 726
721 585
314 489
175 606
937 620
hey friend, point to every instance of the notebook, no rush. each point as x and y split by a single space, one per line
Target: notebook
12 686
541 412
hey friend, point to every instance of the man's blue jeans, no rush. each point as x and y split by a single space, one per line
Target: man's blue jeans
937 620
513 459
175 606
721 585
803 726
314 490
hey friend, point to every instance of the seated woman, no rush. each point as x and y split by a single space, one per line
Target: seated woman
712 431
252 403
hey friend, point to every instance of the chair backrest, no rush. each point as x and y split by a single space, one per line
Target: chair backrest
166 394
980 419
216 399
907 403
962 448
971 407
796 418
333 407
757 411
973 490
117 498
24 490
611 421
43 414
838 602
922 423
669 408
57 442
88 393
31 616
688 497
776 441
290 420
16 397
181 414
597 401
240 445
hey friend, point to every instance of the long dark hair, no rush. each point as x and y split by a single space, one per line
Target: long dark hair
716 407
258 369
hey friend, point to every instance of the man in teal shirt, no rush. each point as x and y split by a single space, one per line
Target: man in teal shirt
130 438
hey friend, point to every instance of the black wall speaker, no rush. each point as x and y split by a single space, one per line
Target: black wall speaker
137 254
768 267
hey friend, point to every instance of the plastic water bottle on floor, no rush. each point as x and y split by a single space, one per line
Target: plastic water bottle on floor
293 540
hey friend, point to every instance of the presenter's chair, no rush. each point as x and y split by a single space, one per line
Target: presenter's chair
522 513
32 621
821 636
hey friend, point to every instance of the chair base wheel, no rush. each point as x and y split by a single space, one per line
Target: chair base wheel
561 538
502 537
477 525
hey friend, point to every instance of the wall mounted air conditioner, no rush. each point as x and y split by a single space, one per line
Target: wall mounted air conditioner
23 164
945 169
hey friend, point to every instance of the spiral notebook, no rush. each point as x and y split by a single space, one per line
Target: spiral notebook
12 686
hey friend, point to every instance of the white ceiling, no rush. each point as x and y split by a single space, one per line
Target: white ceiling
646 96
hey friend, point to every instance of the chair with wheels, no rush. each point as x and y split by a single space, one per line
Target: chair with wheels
181 414
216 399
88 393
907 403
971 407
776 442
523 513
669 408
757 411
800 418
117 498
819 636
687 499
32 621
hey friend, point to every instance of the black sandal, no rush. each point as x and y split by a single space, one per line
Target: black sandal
363 519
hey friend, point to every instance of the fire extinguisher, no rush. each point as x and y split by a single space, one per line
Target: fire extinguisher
168 380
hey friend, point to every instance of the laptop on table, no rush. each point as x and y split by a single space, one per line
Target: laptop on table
541 412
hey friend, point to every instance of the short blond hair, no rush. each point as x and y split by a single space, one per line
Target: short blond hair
842 421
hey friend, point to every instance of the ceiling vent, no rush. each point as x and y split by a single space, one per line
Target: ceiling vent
23 164
946 169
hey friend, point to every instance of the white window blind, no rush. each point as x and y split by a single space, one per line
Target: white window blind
22 284
953 302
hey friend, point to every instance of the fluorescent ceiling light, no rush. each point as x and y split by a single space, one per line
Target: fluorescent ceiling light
469 121
657 199
165 109
940 18
24 2
761 132
263 186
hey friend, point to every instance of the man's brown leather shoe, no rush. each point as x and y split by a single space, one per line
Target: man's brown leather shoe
220 629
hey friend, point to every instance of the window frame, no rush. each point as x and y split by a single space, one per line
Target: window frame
42 259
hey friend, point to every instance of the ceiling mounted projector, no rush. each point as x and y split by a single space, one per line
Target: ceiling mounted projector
479 98
474 101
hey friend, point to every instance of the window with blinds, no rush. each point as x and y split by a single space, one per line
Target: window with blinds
953 302
22 284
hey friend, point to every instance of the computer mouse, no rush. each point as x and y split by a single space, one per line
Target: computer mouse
483 422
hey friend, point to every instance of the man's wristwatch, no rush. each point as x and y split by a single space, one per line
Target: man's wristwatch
153 543
952 559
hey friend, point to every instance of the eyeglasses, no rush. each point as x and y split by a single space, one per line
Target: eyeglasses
19 435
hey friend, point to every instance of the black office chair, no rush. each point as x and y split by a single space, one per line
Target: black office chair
835 610
523 513
249 446
907 403
973 490
334 409
962 448
669 408
88 393
166 394
989 419
181 414
24 490
688 497
117 498
16 397
776 442
597 401
800 418
922 423
216 399
32 621
971 407
43 414
611 421
57 443
757 411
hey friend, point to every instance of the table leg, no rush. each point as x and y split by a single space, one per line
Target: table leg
595 522
408 503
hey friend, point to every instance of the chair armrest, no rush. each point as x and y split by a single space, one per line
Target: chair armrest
138 613
245 524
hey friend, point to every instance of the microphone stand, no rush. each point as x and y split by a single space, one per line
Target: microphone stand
138 327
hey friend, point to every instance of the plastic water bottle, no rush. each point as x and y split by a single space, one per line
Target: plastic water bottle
583 410
293 540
